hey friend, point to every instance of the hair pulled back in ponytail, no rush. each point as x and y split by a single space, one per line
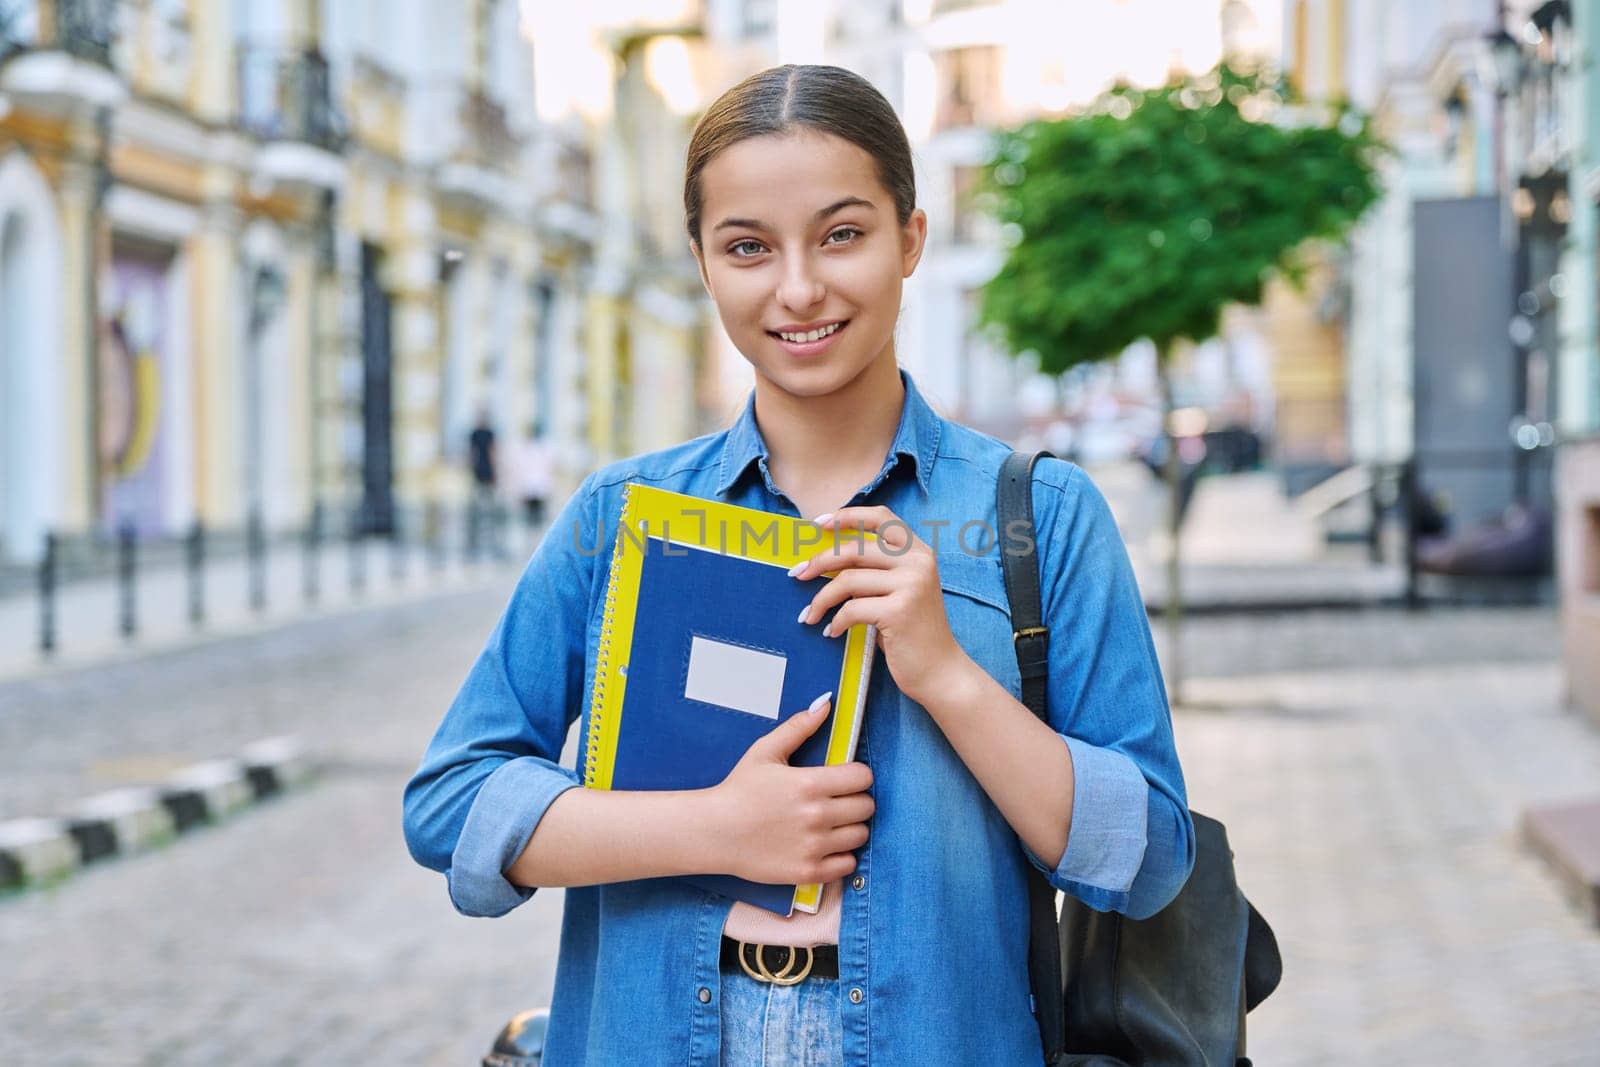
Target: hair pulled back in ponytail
792 97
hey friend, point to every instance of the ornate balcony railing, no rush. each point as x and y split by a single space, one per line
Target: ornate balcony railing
287 95
85 29
486 139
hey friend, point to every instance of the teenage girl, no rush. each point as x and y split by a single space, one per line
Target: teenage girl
801 212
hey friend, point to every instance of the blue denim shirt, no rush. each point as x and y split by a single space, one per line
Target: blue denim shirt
934 924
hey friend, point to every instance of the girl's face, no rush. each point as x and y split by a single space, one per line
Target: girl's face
804 258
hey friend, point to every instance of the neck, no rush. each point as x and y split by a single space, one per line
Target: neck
823 439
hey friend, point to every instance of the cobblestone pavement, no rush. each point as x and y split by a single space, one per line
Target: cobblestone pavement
1373 817
1371 769
1371 810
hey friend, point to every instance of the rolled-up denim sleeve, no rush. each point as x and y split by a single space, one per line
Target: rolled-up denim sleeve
492 768
1130 842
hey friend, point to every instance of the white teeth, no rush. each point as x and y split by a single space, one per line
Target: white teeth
813 335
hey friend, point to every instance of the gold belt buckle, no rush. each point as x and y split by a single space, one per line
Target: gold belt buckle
783 977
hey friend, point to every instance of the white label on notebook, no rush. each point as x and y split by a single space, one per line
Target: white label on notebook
734 677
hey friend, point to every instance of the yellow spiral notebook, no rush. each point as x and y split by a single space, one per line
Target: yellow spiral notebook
701 653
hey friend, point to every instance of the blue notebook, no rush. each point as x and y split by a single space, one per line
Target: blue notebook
701 655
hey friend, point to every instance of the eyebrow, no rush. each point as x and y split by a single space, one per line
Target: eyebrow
757 224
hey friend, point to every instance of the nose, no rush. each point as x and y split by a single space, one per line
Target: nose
800 289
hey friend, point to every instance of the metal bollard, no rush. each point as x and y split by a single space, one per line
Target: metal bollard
47 596
127 578
1410 492
474 545
520 1042
433 535
1375 526
357 547
256 549
311 565
397 551
195 563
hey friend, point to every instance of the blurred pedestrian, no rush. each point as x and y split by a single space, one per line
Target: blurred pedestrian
532 470
484 505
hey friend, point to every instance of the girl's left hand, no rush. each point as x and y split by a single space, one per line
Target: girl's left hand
892 582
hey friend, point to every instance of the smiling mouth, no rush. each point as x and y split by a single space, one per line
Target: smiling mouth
809 335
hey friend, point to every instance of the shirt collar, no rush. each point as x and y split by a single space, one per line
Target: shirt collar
916 437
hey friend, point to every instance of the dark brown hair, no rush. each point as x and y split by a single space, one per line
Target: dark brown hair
822 98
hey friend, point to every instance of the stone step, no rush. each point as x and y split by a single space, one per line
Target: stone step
1567 837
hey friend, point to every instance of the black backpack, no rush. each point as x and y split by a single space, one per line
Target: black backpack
1108 990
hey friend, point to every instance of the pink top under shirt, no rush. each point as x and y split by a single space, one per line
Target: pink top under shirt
750 923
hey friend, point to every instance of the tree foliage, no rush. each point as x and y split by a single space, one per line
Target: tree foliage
1149 212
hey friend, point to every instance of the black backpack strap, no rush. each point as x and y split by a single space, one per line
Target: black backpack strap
1019 557
1014 516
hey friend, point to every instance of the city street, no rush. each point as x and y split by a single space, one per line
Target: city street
1370 769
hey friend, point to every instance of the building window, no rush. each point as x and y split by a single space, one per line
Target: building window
967 219
760 17
1590 551
968 81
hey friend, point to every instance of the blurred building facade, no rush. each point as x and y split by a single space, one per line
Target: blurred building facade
1577 411
1474 304
1432 366
271 260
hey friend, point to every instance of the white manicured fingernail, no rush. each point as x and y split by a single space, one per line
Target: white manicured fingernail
797 568
821 701
823 518
803 613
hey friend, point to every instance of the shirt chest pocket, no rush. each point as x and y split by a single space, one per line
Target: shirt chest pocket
975 603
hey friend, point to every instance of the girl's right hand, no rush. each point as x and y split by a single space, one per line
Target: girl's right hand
781 824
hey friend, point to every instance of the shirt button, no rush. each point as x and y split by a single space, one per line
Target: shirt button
856 996
858 882
704 995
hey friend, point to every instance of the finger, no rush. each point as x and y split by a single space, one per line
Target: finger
841 779
855 807
846 838
849 584
829 868
782 740
878 519
849 552
868 609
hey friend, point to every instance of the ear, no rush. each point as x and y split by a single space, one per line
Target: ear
913 238
700 261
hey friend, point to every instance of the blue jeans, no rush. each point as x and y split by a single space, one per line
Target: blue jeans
765 1025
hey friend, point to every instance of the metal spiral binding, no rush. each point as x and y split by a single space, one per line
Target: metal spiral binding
603 660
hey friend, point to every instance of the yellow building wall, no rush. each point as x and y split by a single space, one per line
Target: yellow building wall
1308 373
604 333
384 200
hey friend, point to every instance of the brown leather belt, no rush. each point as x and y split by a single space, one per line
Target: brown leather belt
780 964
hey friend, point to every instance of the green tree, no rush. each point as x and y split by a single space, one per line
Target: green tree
1147 213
